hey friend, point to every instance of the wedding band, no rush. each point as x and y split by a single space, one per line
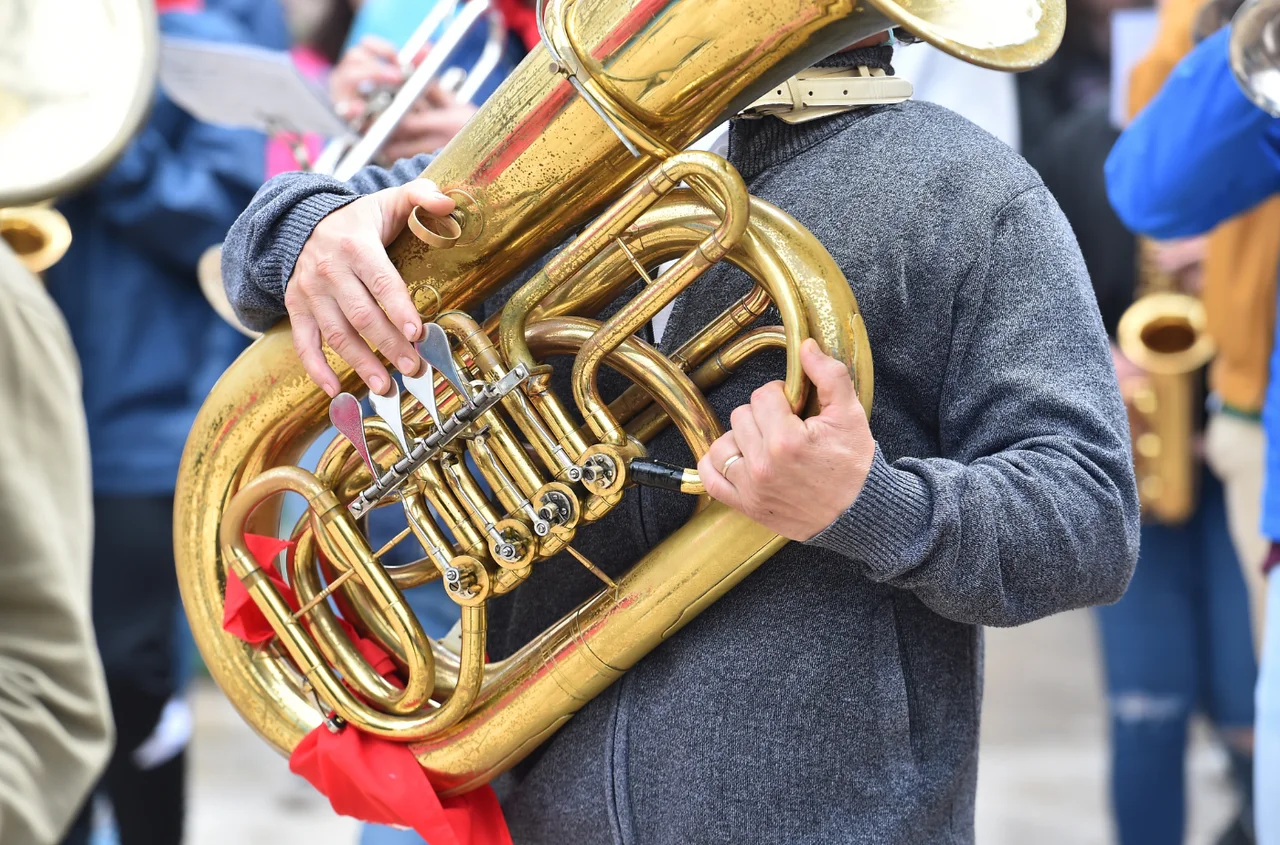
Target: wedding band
725 469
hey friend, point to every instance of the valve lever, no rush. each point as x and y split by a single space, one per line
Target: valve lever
388 407
423 388
348 418
435 348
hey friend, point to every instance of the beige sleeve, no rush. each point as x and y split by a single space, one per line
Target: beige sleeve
55 725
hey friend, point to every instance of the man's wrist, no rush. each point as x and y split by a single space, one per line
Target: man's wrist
295 229
891 510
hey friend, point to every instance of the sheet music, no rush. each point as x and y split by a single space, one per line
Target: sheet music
245 86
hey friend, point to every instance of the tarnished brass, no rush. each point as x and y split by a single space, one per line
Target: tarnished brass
1165 334
537 162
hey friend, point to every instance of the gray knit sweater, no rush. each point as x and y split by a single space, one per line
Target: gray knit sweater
833 697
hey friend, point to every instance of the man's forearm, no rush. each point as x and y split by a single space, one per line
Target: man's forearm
1199 153
263 244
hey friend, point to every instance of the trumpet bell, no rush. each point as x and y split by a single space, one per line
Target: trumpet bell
1254 51
71 95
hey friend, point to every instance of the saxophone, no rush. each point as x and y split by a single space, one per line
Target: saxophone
586 136
1164 333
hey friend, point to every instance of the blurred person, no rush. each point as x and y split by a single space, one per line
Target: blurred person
150 347
370 61
1178 642
1199 153
1001 489
55 721
1240 262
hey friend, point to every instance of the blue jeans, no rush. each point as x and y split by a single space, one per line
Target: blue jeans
1179 641
1266 784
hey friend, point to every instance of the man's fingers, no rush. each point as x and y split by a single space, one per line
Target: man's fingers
306 342
437 97
746 432
717 486
343 339
380 47
396 203
366 317
724 448
772 412
830 377
375 270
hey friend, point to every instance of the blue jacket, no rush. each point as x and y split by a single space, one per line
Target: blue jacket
1198 154
150 346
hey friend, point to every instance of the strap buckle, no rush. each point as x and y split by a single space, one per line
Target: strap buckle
821 92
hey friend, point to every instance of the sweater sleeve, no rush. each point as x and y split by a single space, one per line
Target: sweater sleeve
264 243
1033 508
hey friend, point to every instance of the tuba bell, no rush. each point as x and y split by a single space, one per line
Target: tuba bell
586 137
71 98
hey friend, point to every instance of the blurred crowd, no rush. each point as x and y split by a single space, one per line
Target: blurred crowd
1184 642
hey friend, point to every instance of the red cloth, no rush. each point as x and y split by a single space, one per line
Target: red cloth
521 19
163 6
1273 559
364 776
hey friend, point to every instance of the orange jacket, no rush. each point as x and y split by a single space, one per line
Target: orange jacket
1243 254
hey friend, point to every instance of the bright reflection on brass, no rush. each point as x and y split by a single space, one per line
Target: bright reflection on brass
535 164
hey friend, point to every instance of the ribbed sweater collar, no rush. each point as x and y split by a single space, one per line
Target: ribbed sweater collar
756 145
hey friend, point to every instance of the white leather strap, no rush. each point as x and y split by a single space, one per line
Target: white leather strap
819 92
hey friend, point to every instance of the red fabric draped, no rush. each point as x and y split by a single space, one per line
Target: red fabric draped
365 776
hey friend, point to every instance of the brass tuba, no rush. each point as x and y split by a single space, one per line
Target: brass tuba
71 98
551 150
1164 333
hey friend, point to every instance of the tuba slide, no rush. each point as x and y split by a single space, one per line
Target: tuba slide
584 137
75 85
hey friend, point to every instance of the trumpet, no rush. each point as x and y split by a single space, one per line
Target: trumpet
345 155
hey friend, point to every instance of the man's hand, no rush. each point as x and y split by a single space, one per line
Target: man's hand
792 475
366 67
429 125
345 289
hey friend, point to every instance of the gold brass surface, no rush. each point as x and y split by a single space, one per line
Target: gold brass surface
536 163
1254 51
38 235
1164 333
